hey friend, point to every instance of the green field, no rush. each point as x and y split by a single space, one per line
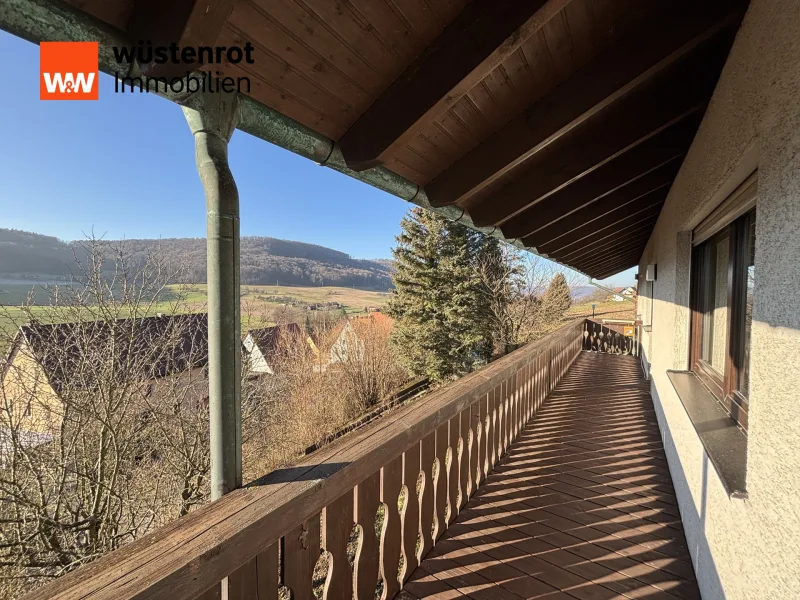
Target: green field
257 303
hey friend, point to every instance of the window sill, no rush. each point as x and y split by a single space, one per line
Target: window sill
724 443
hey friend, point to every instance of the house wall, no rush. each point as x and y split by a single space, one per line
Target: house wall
345 344
256 361
741 548
26 394
24 384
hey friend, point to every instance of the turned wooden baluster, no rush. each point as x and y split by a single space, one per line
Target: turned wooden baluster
521 396
300 555
509 428
491 440
464 480
365 569
545 375
515 381
483 461
517 402
440 483
528 397
474 448
503 441
337 521
452 470
257 578
512 410
410 515
391 482
427 455
528 392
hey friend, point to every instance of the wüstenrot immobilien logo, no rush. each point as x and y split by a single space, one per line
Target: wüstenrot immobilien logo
68 70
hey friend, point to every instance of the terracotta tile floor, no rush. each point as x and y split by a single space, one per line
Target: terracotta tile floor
581 507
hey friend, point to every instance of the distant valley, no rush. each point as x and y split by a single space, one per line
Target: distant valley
26 256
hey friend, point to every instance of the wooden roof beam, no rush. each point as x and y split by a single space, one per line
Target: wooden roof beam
612 254
484 34
660 150
609 220
637 224
615 73
638 236
186 23
613 270
641 234
571 208
673 97
622 249
607 270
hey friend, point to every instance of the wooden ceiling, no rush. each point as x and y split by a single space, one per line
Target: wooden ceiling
561 122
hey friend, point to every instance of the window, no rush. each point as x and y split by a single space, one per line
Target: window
722 307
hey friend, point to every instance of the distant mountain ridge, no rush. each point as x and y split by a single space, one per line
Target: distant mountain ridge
264 260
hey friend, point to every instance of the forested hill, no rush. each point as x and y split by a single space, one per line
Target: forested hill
264 260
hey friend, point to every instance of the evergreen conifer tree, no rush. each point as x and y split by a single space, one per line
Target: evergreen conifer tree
558 298
439 329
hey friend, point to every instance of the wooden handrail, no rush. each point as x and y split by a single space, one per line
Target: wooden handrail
316 502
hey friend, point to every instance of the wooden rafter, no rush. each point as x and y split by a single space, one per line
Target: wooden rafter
671 144
608 220
617 72
620 251
638 224
615 185
186 23
611 269
604 270
619 201
610 254
478 40
674 96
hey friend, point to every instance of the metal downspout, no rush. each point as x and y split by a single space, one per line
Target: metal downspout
212 119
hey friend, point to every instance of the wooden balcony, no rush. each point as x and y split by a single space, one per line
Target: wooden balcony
535 477
582 506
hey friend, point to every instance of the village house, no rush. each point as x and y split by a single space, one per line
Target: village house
350 341
265 348
49 364
622 293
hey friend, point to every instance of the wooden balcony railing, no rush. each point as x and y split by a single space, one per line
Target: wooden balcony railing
611 338
271 534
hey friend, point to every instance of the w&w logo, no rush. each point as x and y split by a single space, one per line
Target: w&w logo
68 70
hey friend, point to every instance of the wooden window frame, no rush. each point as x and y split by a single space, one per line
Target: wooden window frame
724 387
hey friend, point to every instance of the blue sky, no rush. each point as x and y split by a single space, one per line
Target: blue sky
124 167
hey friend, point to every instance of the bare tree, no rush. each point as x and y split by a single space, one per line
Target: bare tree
366 365
103 416
104 408
516 285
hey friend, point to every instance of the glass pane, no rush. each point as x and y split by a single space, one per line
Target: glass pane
744 370
714 286
707 277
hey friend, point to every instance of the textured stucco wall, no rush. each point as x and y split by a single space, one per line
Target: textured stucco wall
748 549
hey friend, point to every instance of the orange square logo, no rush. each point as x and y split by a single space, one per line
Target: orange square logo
68 70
